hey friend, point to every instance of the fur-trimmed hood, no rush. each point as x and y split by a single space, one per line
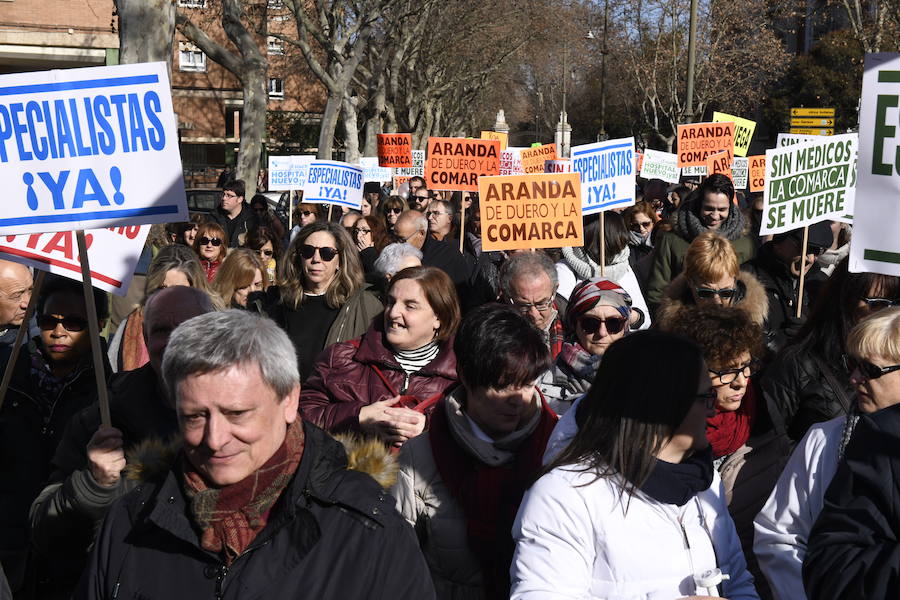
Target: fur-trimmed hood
152 458
754 300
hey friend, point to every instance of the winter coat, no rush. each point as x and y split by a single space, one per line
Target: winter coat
800 389
345 379
69 511
237 227
668 262
574 539
27 445
334 533
426 502
751 298
854 546
783 525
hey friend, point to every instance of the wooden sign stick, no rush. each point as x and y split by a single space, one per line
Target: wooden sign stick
462 220
602 245
94 330
802 271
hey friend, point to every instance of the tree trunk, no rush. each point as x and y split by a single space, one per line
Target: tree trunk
351 132
253 128
329 124
146 31
375 121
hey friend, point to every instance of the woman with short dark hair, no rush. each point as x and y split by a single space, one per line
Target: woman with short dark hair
632 507
460 483
384 382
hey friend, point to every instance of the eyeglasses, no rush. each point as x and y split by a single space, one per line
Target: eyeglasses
867 369
49 322
591 325
402 240
205 241
268 253
357 230
709 398
420 199
541 307
726 376
395 210
434 213
707 293
642 225
326 253
229 195
879 303
306 213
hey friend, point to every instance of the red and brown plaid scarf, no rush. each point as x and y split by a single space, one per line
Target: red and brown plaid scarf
232 516
556 335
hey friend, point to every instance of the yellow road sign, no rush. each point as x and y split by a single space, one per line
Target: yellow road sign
810 131
812 122
812 112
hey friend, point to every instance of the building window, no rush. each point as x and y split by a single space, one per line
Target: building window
276 87
192 3
275 46
190 58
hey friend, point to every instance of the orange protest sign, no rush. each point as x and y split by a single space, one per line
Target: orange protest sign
501 137
457 163
757 173
720 162
395 150
696 141
533 158
531 211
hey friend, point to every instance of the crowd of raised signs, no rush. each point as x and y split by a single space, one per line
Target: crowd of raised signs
669 415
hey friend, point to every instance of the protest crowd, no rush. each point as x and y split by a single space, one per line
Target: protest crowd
417 395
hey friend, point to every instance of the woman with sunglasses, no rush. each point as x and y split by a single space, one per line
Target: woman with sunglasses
53 379
211 246
784 527
267 247
632 507
321 298
641 220
807 383
712 276
598 313
391 209
305 214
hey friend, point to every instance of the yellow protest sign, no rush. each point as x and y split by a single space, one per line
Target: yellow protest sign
533 158
531 211
743 131
501 137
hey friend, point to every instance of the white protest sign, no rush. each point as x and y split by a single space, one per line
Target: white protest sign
112 253
695 171
607 174
559 165
288 173
89 148
511 161
789 139
660 165
333 182
371 170
418 168
740 172
875 247
809 182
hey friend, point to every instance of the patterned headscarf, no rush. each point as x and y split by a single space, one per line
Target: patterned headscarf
598 290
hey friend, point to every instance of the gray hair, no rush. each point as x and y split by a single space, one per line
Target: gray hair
526 264
389 261
218 340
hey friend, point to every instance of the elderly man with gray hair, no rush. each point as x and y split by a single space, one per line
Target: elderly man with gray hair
528 281
257 503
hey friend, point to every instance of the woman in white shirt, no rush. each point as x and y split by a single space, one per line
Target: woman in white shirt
632 507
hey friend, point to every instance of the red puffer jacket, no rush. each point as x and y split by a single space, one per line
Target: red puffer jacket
356 373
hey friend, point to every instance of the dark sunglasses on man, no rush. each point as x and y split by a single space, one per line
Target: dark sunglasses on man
205 241
69 323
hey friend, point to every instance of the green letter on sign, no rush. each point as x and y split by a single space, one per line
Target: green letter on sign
882 131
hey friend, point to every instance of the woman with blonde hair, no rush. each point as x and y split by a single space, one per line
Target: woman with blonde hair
712 275
322 298
211 246
241 274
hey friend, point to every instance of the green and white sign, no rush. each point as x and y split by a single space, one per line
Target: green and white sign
876 243
808 182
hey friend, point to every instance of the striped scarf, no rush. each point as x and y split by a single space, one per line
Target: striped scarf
413 361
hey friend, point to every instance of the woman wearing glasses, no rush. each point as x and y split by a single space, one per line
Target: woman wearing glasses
266 245
321 299
807 383
784 526
598 313
391 209
632 507
304 214
52 380
371 238
641 220
211 246
712 276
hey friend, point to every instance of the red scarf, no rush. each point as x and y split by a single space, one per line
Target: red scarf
134 350
729 430
489 496
556 336
231 517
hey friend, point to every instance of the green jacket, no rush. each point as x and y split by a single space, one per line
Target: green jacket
668 262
